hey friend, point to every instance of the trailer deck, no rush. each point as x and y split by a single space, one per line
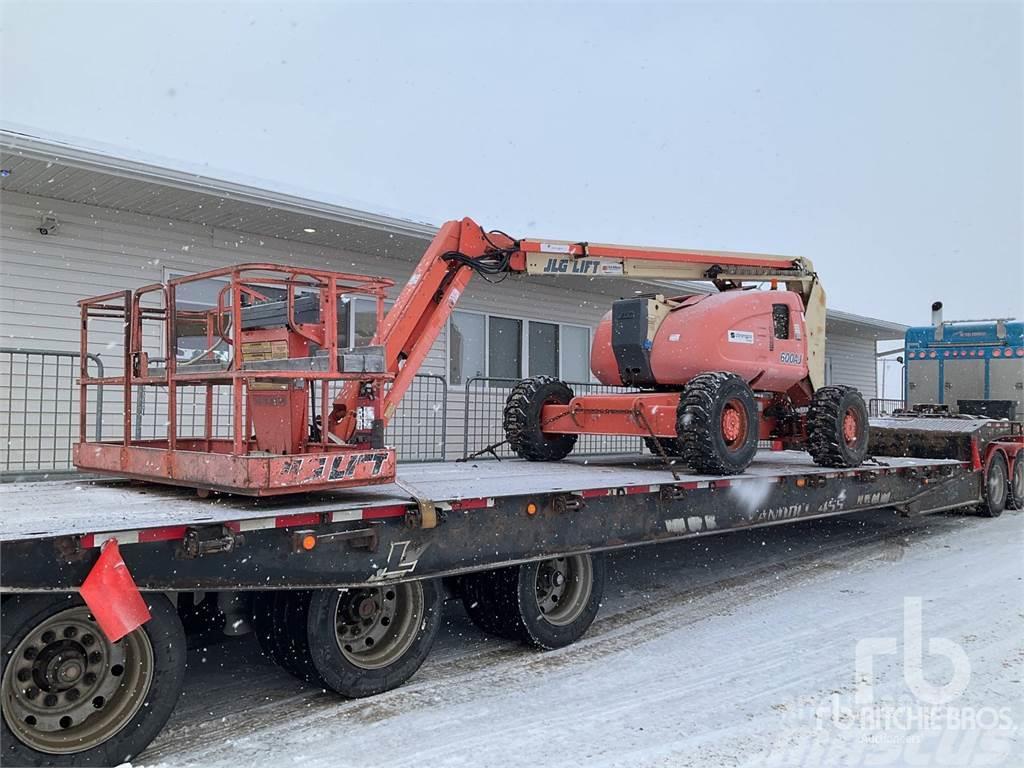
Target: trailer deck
489 514
111 505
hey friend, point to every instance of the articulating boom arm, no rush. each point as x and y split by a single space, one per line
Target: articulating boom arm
461 248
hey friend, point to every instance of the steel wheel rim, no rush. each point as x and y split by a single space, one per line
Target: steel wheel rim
734 424
375 627
68 689
1018 478
563 587
996 483
851 426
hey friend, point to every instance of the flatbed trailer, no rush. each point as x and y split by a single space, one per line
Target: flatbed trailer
321 575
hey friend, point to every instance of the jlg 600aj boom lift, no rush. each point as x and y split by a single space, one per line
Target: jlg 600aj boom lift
713 373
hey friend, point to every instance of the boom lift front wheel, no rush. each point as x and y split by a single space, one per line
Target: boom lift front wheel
522 421
837 427
718 423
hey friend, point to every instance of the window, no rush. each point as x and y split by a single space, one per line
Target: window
575 353
489 346
504 348
543 349
466 347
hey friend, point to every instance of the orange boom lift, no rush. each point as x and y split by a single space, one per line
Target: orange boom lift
713 373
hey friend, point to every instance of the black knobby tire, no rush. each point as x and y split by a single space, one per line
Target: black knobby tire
515 602
1015 500
522 419
837 427
670 446
709 444
340 667
164 638
997 487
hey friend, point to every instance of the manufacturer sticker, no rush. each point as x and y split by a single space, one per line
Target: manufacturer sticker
791 358
673 337
741 337
554 248
582 267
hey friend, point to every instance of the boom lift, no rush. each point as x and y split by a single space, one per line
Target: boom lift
713 373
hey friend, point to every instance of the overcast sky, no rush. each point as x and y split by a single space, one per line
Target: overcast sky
882 141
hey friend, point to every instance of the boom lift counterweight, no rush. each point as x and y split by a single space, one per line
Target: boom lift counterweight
715 373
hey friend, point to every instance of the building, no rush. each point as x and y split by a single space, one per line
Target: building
114 223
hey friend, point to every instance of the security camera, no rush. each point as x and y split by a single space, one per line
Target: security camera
48 225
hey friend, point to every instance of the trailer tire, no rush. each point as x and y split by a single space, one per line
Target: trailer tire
718 423
522 419
490 599
546 603
1015 500
997 487
279 619
134 684
400 621
837 427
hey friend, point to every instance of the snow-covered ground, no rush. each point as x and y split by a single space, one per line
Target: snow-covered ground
741 649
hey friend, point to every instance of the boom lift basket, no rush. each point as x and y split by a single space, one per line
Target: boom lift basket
257 373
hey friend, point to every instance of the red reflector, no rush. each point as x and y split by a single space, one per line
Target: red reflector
110 592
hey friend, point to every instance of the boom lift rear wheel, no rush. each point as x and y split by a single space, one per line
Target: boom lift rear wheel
70 696
522 419
368 640
718 423
547 603
837 427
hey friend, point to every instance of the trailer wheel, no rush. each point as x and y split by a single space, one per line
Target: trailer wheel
70 696
547 603
1016 497
491 601
279 619
522 419
837 427
718 423
369 640
996 487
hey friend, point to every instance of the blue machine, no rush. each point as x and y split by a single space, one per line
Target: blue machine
964 364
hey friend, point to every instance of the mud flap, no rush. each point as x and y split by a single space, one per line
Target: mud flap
110 592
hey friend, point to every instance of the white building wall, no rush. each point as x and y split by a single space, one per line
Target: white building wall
99 250
850 360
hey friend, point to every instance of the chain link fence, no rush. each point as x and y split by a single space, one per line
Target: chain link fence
880 406
39 413
482 419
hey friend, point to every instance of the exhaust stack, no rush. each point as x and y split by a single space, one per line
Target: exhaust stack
937 319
